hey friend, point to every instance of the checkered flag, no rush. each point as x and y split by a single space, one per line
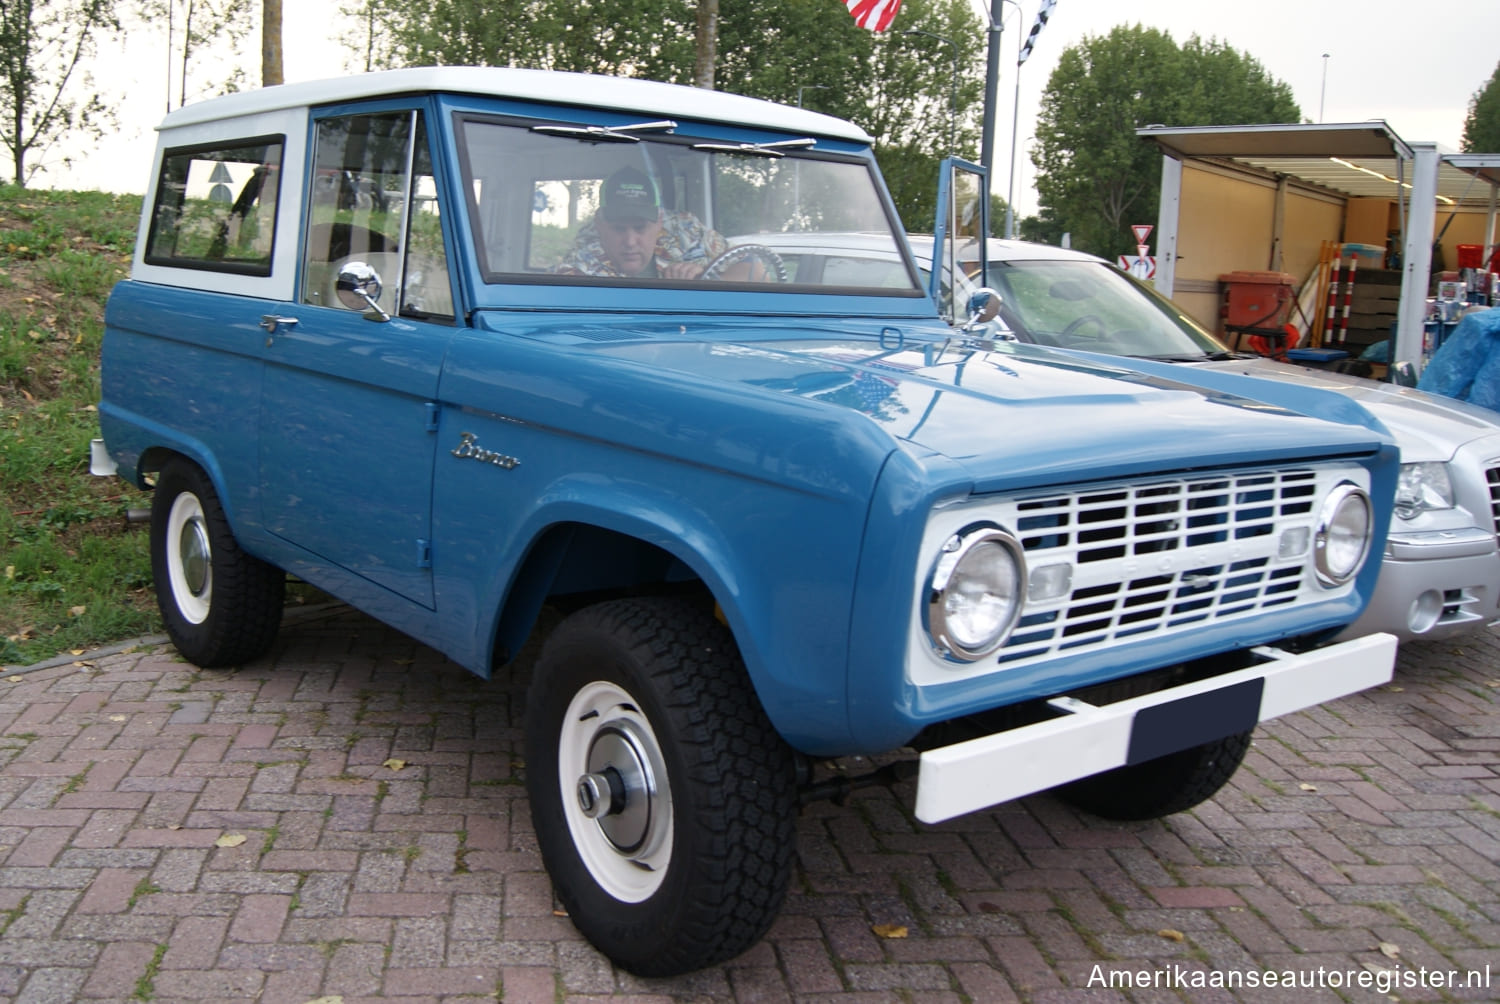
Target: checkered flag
1036 29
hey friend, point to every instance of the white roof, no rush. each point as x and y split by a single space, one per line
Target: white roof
648 97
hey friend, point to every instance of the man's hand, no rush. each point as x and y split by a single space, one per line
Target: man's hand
681 269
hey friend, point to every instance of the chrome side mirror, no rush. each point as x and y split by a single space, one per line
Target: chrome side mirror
358 288
984 306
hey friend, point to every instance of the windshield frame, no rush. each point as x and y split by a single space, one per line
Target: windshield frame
685 134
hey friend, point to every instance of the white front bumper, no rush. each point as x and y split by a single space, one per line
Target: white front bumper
973 775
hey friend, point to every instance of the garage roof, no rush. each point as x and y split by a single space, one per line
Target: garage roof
1362 159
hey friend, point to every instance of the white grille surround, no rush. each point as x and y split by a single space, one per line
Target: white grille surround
1145 559
1492 481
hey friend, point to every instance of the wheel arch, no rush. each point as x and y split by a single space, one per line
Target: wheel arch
799 684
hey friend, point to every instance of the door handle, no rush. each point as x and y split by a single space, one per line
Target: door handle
272 322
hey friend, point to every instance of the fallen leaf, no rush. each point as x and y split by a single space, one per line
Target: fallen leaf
1393 689
1171 934
230 840
889 931
1390 950
77 651
174 826
335 999
1492 683
559 913
1308 787
10 571
394 764
78 612
117 718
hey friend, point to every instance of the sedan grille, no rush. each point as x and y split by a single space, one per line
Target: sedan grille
1492 475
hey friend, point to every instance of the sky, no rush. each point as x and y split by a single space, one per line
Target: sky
1415 65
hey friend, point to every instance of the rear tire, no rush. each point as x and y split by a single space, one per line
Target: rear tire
1160 787
677 855
221 607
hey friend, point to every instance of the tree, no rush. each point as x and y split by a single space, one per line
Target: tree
1482 126
43 45
270 43
706 49
898 87
1094 176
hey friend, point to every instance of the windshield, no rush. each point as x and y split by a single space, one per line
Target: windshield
1093 306
642 206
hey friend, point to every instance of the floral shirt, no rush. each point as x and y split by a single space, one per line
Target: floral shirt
683 238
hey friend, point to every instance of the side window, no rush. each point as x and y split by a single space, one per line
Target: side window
215 207
374 200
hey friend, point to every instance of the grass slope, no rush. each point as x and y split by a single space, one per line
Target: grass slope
72 572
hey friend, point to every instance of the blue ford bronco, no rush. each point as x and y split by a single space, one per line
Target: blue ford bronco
455 343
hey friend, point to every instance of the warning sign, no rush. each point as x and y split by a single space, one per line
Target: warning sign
1140 266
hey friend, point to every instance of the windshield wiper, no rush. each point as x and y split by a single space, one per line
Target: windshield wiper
758 149
608 134
1179 357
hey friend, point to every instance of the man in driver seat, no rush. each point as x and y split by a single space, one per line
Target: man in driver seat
631 237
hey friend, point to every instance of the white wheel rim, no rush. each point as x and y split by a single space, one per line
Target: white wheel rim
627 851
189 558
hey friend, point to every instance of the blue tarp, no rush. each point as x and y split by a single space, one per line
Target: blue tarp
1467 365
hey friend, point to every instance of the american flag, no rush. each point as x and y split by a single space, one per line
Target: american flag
876 15
1036 29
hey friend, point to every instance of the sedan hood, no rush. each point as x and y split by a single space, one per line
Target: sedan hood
1012 415
1428 427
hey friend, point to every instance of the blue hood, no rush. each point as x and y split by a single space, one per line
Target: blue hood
1012 416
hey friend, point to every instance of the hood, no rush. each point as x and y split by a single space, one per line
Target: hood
1012 416
1426 426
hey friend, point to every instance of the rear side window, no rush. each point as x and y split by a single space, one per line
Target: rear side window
216 207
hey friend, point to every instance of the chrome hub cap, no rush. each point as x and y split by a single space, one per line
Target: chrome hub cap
189 558
616 798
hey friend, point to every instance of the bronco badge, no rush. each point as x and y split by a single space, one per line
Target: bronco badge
470 450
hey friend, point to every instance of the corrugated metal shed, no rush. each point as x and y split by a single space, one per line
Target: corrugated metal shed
1361 159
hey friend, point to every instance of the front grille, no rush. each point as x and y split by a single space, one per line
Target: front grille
1492 475
1162 557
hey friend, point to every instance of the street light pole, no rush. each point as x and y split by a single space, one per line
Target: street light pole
1324 91
1015 120
953 97
808 87
992 78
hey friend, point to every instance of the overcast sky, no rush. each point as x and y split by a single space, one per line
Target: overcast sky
1413 64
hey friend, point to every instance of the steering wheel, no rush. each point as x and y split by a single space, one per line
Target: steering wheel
1079 322
775 267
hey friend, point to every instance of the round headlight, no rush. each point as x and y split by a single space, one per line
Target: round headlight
976 593
1342 541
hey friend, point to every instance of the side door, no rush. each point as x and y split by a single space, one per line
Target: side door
349 401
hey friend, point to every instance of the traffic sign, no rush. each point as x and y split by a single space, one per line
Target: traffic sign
1140 266
1141 231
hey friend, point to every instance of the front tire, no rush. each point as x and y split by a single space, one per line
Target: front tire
221 607
664 801
1172 783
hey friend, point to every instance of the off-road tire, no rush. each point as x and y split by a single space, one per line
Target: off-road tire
719 876
233 614
1172 783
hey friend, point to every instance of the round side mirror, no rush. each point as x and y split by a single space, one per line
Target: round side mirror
358 286
984 305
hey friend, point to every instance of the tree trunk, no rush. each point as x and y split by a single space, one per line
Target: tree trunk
708 44
270 43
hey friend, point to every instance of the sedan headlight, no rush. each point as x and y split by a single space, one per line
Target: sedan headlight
976 592
1342 540
1423 487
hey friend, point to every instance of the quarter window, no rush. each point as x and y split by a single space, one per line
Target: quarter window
216 207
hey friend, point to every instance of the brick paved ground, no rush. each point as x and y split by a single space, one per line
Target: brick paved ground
180 835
